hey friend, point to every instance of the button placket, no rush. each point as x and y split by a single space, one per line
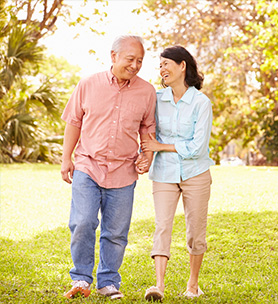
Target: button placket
113 129
175 121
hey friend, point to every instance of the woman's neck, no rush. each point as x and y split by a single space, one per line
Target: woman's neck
178 91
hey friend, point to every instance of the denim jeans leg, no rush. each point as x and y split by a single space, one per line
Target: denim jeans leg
86 198
116 211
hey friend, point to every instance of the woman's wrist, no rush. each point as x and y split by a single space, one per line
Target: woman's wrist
161 147
167 148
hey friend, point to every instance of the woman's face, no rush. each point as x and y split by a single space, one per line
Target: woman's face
171 72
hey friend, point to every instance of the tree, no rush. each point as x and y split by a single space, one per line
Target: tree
43 14
33 88
235 43
31 107
266 40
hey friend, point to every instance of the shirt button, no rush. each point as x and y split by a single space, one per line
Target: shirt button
109 163
117 107
114 121
110 151
112 136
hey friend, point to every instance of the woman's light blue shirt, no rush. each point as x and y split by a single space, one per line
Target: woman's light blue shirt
187 125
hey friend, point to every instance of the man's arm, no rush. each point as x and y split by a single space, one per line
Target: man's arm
144 160
71 137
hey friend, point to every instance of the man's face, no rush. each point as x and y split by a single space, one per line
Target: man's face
128 62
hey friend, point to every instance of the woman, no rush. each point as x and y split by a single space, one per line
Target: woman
181 164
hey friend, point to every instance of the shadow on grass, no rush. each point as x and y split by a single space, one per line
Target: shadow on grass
240 265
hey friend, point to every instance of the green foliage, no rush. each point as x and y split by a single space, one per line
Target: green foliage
266 40
269 141
20 53
31 99
240 265
33 88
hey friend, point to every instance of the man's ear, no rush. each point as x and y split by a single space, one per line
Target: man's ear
113 56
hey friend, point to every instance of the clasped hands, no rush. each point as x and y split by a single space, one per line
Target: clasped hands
148 145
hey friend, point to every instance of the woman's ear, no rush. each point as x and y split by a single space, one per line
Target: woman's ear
183 63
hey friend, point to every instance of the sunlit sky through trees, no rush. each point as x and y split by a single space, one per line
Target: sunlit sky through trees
120 20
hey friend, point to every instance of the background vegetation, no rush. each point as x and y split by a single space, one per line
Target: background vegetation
33 87
240 265
235 43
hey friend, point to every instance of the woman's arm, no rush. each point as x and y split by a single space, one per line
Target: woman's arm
187 149
152 144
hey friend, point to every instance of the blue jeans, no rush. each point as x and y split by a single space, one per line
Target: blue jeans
116 209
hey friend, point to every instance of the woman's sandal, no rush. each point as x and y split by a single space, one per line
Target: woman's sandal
191 295
154 293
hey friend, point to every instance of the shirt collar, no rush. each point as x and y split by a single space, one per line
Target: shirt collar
187 96
112 78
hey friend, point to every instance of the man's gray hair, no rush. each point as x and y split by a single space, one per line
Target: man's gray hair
117 44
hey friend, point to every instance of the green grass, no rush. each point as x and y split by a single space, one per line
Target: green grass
240 265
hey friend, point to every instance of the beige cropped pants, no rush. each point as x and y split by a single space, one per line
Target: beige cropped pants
195 195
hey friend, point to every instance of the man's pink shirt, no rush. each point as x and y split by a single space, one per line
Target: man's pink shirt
110 119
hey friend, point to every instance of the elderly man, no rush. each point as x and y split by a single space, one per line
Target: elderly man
104 116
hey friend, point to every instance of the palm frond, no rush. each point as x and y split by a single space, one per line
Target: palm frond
19 129
46 95
22 50
3 17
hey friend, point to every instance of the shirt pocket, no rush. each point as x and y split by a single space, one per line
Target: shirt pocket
164 125
131 118
186 129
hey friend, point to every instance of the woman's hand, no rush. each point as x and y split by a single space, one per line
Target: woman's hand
150 144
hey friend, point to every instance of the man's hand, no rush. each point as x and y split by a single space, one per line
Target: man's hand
145 158
67 169
142 164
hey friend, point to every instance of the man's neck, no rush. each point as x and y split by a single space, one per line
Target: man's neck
121 82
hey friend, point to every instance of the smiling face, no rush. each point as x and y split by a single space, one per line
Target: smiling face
128 61
172 72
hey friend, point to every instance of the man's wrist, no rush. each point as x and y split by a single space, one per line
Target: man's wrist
66 158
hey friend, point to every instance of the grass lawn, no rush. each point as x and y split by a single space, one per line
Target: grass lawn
240 265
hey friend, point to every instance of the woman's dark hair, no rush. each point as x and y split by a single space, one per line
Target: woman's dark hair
179 54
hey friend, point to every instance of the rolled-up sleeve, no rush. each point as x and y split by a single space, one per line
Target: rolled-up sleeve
73 111
148 124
